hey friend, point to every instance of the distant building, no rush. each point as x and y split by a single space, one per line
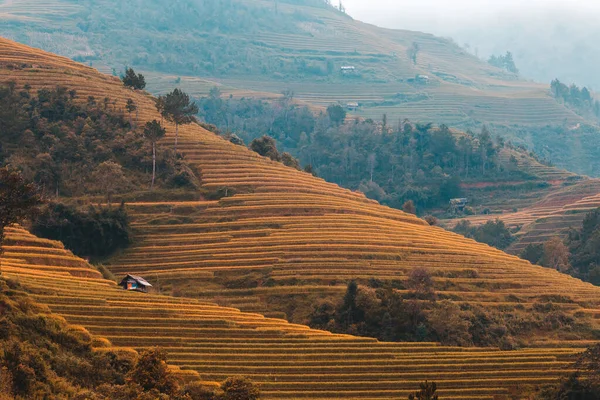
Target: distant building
135 283
352 106
458 205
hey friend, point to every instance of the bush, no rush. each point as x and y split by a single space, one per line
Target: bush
426 392
533 253
184 177
431 220
239 388
266 147
95 232
420 282
151 373
409 207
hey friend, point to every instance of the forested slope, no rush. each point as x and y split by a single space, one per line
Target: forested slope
261 48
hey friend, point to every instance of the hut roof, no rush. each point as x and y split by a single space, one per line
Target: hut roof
138 279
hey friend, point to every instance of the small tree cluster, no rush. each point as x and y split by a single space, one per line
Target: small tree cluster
95 232
580 98
133 80
494 233
427 391
266 146
506 62
18 199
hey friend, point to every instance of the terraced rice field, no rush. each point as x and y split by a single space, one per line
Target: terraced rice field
291 228
283 223
289 361
560 210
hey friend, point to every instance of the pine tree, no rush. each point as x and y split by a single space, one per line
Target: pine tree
179 109
133 80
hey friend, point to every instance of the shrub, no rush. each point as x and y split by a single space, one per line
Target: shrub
533 253
426 392
290 161
239 388
95 232
409 207
266 147
420 282
431 220
151 372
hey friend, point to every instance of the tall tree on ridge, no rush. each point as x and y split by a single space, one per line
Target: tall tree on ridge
154 132
180 110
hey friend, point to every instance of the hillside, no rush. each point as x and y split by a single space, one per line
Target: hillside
279 241
555 212
301 46
43 356
284 358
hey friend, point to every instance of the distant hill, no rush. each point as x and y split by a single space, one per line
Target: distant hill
261 48
278 241
548 44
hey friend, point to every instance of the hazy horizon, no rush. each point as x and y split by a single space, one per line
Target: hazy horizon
549 39
435 16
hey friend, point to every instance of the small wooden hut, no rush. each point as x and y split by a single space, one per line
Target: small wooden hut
135 283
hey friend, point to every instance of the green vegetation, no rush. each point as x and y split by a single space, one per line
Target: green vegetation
176 107
93 233
267 47
584 245
378 310
18 199
505 62
73 149
578 255
391 164
493 233
133 80
580 100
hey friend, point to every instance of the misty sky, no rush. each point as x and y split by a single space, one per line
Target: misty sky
439 16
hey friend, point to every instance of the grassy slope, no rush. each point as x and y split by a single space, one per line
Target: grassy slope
308 237
464 92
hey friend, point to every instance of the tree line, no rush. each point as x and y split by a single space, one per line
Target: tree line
505 62
74 147
577 255
580 99
389 162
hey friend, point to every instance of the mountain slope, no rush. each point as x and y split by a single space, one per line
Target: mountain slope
261 48
289 361
562 208
305 235
281 237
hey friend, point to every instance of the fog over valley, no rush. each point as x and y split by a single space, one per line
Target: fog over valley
549 39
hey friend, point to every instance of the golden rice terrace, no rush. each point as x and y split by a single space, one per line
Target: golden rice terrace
304 238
